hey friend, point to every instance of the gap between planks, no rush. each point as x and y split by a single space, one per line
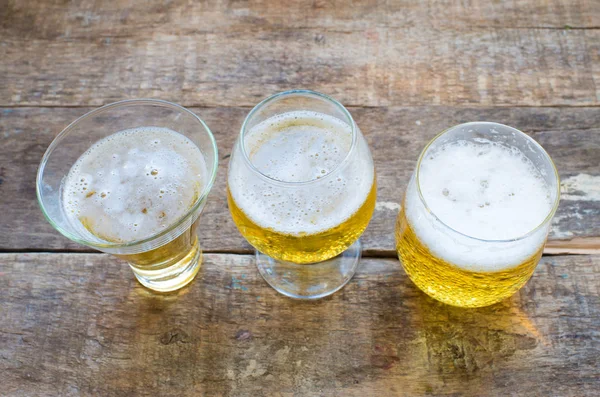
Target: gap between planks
205 106
575 246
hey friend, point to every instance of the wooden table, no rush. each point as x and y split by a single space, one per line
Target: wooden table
74 322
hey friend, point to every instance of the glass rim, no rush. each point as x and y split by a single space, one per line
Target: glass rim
124 103
518 132
278 95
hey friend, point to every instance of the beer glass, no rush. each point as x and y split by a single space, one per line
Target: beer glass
476 214
131 179
301 190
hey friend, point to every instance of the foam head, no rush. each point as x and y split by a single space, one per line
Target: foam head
300 146
133 184
483 190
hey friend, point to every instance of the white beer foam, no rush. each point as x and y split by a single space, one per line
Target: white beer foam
301 146
485 191
134 183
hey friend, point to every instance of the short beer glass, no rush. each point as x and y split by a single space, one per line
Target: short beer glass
131 179
476 214
301 190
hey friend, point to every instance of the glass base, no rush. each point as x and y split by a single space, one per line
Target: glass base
175 276
310 281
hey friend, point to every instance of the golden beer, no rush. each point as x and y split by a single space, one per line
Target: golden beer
297 210
475 215
174 257
301 189
449 283
132 185
302 247
137 190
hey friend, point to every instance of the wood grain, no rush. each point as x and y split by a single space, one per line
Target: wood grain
233 54
50 19
396 136
78 324
577 245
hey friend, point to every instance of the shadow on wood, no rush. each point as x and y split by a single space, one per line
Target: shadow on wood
80 323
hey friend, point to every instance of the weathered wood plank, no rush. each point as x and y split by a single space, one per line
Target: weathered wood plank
577 245
396 136
78 324
57 19
232 54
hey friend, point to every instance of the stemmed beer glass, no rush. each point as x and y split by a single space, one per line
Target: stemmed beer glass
301 190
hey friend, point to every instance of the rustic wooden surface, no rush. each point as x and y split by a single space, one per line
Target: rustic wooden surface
74 322
366 53
396 137
79 324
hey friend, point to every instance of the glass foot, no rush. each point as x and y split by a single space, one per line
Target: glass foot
175 276
311 281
